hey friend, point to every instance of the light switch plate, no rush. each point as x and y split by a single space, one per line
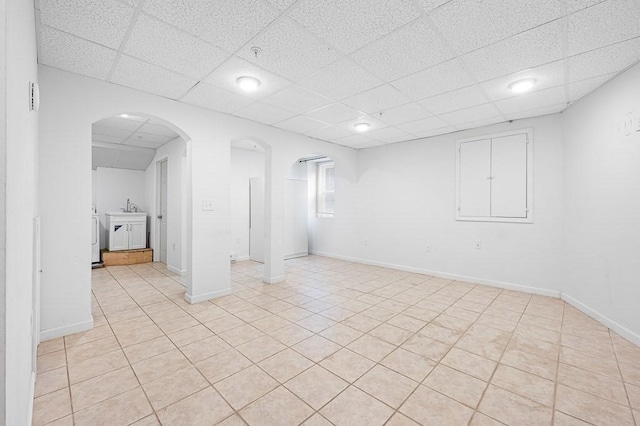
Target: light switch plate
207 205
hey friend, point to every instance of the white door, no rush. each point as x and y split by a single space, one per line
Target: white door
163 212
256 219
137 235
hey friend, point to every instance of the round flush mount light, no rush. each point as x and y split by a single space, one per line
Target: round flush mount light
361 127
124 115
248 84
522 86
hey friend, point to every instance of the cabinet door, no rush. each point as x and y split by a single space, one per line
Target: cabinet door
475 183
137 235
118 236
509 176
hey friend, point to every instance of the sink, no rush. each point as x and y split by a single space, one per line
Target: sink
121 213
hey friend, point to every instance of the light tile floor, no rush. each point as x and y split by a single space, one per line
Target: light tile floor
337 343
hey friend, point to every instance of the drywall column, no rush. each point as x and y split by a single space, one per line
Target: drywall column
20 206
273 219
208 219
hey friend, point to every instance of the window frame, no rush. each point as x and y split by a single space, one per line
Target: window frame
529 173
320 188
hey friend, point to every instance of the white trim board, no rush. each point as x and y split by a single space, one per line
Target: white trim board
206 296
181 272
52 333
604 320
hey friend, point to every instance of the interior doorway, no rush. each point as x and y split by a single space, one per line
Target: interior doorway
162 208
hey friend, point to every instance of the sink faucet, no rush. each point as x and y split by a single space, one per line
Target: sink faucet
128 206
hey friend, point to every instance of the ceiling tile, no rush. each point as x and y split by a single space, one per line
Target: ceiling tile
119 123
101 129
480 112
547 76
532 100
471 24
147 139
340 80
134 160
64 51
103 157
289 51
389 133
611 59
97 137
134 73
334 113
154 129
537 112
101 21
264 113
227 74
455 100
281 4
330 133
436 132
403 113
297 99
429 5
161 44
438 79
603 24
411 48
301 124
424 125
349 25
576 5
581 88
228 24
354 141
526 50
211 97
377 99
481 123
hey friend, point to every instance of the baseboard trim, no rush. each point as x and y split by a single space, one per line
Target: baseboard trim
177 271
498 284
52 333
603 319
273 280
206 296
242 258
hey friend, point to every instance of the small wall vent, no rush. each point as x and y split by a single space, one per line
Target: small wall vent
34 96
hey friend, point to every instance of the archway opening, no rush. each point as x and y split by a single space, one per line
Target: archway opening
138 191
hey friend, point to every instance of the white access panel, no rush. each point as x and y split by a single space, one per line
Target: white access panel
474 183
509 176
256 219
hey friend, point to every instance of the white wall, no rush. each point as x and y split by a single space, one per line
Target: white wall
602 200
404 199
244 165
113 187
19 207
70 104
174 153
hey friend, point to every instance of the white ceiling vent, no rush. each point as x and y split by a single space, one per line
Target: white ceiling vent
34 96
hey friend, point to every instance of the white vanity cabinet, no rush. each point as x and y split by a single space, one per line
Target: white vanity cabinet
127 231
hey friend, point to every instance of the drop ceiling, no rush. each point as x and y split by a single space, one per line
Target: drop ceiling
410 68
128 142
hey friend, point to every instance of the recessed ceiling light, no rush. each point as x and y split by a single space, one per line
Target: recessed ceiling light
248 84
362 127
522 86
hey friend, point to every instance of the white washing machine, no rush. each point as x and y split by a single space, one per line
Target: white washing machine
95 236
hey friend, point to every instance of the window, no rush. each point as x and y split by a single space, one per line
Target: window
494 178
326 189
